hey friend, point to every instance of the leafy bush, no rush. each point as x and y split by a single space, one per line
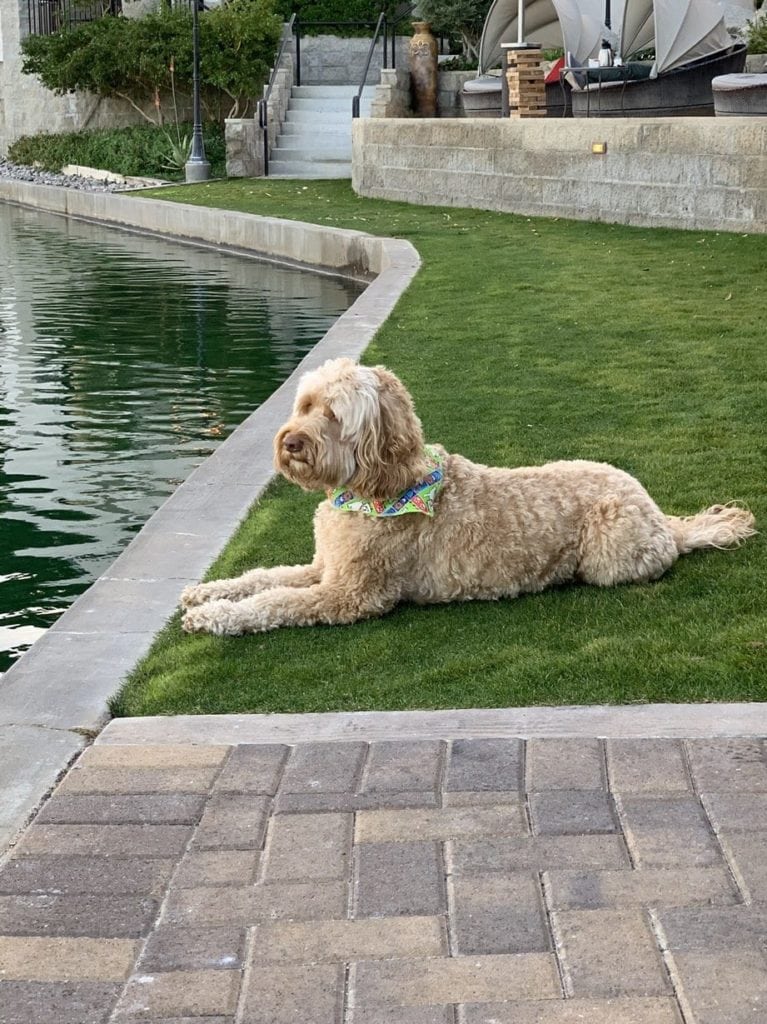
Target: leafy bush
756 34
143 150
140 60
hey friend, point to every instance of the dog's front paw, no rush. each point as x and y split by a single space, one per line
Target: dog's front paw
198 594
218 617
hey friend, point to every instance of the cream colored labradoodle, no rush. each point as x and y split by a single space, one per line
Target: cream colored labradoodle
408 522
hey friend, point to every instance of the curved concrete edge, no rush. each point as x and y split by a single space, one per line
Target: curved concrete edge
56 695
640 721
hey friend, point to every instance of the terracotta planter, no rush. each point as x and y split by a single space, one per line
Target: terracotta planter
423 70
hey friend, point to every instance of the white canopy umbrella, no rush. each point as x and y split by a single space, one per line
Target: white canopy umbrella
680 30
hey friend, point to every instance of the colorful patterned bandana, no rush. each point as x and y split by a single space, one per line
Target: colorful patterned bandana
418 498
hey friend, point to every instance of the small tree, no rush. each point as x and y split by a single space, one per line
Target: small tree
459 19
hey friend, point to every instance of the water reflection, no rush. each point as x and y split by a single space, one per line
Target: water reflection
123 362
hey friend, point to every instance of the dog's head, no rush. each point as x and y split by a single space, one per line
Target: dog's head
351 425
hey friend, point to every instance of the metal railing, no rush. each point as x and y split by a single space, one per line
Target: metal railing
356 99
262 107
46 17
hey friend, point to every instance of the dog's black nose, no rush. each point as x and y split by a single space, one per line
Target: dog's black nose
293 442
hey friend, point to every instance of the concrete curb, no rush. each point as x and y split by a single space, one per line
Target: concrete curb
56 695
663 721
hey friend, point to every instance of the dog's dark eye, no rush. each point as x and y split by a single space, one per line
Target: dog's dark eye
327 411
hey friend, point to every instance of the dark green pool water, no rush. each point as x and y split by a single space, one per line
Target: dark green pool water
124 361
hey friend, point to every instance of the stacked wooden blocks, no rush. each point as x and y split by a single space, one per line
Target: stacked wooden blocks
527 89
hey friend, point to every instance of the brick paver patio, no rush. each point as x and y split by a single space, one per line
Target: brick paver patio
473 881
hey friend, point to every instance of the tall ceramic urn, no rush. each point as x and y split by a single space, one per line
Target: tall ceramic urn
423 70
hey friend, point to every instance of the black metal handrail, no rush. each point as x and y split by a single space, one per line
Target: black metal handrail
46 17
356 99
262 107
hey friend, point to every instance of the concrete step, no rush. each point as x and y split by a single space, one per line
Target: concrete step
307 169
319 121
286 151
323 107
311 131
329 91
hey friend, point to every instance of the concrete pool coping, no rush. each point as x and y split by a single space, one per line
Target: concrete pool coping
54 698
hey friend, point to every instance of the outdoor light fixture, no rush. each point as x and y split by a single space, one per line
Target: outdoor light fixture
197 167
599 148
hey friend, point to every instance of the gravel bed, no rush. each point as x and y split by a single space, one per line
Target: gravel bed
21 172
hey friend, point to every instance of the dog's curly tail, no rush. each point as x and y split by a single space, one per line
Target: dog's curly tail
721 526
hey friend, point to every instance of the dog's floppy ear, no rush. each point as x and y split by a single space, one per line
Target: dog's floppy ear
389 452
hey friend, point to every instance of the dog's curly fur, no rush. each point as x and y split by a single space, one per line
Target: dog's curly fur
495 532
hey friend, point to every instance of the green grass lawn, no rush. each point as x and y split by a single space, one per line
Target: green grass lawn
526 340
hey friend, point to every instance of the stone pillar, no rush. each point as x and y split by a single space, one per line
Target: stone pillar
524 74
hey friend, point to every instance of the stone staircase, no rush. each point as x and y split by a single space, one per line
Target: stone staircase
315 140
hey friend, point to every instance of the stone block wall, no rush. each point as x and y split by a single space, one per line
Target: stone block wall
330 60
701 173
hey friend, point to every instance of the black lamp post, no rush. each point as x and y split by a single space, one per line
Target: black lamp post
197 167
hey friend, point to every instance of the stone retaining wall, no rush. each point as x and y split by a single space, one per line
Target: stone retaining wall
700 173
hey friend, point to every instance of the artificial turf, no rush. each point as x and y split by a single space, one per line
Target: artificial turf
525 340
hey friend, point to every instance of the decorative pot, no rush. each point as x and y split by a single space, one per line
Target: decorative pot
423 70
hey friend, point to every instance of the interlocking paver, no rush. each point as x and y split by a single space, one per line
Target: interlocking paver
743 812
69 875
651 887
289 993
571 812
564 764
180 993
398 878
195 779
232 821
131 809
723 987
309 846
748 856
297 803
191 948
245 905
456 979
403 1015
492 764
609 953
394 882
339 941
498 914
216 867
397 766
253 768
324 768
85 914
170 755
37 958
105 840
65 1002
576 1011
669 832
535 853
443 823
647 766
714 929
728 764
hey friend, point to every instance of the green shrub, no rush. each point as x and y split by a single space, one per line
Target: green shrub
460 19
143 150
141 60
756 34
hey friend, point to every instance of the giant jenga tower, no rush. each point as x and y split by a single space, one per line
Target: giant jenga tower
524 74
